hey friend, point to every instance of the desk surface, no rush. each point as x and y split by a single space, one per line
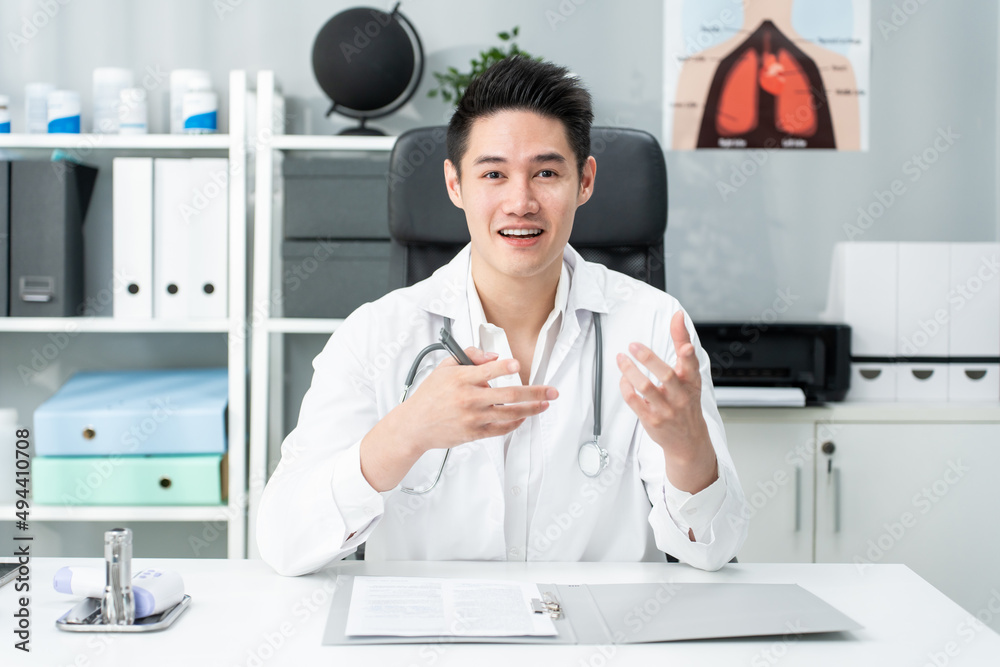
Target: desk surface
244 614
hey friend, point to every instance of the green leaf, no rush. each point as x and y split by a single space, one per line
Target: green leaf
432 93
516 30
503 35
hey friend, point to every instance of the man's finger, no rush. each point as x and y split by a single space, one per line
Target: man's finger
478 356
687 361
660 369
494 369
640 383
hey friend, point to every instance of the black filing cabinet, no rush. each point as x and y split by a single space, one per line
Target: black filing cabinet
335 252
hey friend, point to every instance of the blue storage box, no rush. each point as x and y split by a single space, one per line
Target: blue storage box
100 413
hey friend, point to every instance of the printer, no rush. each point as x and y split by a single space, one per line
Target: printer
814 357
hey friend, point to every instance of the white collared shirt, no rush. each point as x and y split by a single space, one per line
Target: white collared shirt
534 502
524 445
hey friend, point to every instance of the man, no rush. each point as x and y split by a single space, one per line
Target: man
361 467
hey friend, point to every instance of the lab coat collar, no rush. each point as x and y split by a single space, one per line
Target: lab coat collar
445 292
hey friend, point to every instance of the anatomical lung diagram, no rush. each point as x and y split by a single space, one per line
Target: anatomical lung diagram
767 93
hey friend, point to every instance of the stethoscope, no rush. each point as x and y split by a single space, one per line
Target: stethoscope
591 457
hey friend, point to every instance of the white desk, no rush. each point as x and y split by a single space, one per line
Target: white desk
244 614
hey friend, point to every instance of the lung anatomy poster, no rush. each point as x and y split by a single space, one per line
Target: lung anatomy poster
772 74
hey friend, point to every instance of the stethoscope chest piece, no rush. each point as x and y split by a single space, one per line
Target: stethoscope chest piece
593 458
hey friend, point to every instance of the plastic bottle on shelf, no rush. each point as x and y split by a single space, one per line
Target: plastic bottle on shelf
4 114
181 81
36 107
108 85
134 117
64 112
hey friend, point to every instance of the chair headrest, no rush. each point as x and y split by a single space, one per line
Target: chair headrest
628 207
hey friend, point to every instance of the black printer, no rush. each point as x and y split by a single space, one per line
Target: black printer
811 356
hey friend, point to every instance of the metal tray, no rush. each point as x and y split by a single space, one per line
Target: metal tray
86 617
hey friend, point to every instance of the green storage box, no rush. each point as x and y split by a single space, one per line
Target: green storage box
128 480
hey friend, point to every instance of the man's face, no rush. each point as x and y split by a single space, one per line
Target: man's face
519 176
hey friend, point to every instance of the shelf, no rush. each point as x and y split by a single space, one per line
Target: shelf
121 513
302 142
109 325
117 141
303 325
871 412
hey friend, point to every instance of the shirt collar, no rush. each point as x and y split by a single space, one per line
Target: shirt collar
477 316
446 291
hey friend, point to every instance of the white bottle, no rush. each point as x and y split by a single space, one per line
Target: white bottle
108 85
133 116
36 107
64 112
4 124
181 81
201 111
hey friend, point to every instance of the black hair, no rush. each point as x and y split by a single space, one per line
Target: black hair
518 83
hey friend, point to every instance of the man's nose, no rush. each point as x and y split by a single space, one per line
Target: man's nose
520 200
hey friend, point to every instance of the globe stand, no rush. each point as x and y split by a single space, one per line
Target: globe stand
361 130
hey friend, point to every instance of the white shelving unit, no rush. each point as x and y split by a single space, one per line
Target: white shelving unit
269 331
233 145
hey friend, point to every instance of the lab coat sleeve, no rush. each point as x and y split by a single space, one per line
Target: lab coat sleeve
717 514
317 507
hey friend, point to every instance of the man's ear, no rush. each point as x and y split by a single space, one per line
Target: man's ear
453 184
587 179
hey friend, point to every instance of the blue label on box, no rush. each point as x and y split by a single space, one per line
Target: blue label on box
201 121
68 125
5 128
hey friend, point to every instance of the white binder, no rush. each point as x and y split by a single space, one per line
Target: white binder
190 238
132 237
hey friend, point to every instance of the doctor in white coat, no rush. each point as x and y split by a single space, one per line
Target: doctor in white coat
522 303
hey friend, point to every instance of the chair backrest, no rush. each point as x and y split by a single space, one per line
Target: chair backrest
621 226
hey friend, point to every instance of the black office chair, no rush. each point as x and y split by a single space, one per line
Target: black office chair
622 225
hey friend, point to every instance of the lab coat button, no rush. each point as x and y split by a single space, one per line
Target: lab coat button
513 552
516 491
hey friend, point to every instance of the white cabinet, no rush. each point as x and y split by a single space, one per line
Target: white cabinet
915 484
925 495
775 467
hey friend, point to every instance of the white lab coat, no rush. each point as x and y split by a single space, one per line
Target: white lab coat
317 496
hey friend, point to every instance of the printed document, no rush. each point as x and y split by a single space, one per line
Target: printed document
424 606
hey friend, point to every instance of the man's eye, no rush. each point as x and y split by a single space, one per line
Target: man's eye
492 174
546 173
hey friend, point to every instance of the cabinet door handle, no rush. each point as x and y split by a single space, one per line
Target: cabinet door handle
836 500
798 498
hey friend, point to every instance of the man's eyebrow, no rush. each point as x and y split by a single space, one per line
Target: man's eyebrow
497 159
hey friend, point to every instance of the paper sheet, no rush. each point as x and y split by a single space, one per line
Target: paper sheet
423 606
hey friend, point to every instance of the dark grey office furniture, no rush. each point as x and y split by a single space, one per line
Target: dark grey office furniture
48 204
622 226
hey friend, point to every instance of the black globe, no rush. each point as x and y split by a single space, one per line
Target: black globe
366 61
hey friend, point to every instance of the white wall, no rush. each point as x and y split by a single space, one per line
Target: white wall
728 259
